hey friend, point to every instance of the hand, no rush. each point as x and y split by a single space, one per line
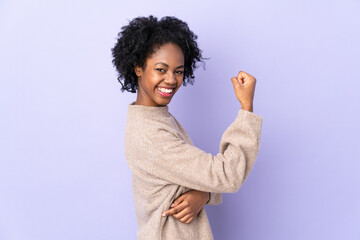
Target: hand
244 86
186 207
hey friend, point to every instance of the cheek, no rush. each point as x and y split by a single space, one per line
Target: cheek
151 80
181 79
180 83
155 78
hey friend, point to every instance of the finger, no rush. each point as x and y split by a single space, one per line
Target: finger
182 213
182 210
175 209
235 82
244 77
241 77
185 218
243 74
179 200
185 209
189 220
170 212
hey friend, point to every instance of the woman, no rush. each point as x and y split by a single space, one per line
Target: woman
172 179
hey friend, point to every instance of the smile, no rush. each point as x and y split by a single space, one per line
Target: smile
166 92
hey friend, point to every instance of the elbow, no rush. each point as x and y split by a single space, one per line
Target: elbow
232 190
234 186
226 186
236 180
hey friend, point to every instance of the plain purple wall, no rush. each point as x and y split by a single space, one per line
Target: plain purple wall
63 174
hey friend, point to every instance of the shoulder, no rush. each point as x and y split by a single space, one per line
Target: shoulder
138 126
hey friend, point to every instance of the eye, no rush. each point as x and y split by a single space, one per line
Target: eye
160 70
179 72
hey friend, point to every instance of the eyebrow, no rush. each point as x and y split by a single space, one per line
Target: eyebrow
181 66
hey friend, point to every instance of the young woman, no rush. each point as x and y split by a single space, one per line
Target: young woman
172 179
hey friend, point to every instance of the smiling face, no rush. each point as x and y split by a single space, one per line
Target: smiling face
161 77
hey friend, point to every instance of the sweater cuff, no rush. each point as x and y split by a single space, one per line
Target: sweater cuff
215 199
254 119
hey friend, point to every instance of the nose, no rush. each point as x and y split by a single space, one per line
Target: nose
170 79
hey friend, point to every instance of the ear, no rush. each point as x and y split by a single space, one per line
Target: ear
138 71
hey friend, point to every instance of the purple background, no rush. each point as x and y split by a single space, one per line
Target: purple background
63 174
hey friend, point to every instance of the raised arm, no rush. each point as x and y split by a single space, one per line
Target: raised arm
161 153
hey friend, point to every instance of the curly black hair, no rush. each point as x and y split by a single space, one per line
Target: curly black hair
142 36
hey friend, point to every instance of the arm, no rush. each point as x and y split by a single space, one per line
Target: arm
216 198
163 154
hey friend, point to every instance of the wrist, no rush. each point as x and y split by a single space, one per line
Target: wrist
249 108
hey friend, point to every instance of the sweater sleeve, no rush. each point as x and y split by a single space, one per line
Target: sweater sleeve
163 154
215 199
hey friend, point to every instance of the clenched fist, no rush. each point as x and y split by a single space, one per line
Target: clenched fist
244 86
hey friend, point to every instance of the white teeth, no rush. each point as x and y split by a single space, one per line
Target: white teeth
165 90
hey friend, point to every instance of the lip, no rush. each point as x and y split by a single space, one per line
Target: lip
166 87
165 94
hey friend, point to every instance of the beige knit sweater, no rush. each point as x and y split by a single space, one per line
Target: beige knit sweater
165 164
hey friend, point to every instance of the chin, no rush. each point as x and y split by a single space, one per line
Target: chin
163 101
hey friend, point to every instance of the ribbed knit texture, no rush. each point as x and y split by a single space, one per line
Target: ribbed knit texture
165 164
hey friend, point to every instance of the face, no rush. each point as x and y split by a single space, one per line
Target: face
162 76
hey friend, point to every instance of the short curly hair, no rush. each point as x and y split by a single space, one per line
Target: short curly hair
142 36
